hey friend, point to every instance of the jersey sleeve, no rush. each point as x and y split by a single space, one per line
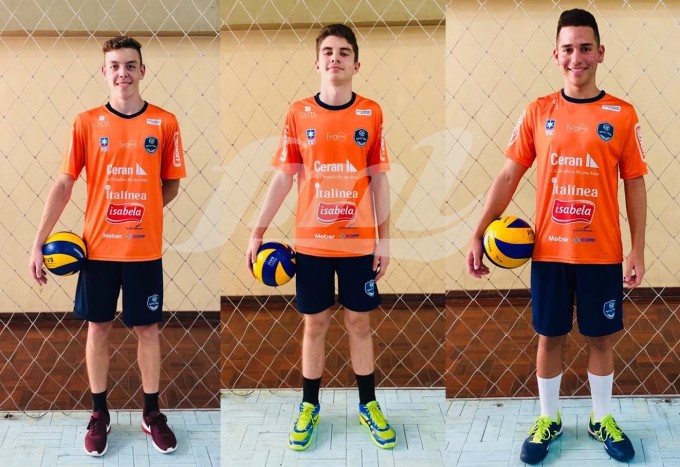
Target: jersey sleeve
633 162
74 159
378 160
521 147
172 162
288 158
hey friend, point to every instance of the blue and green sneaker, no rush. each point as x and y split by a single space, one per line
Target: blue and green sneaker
381 432
616 443
301 434
541 435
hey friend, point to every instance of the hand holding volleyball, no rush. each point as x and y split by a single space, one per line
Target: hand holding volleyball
64 253
508 242
275 264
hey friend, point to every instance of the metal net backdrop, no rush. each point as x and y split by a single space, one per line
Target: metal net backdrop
268 52
50 58
498 60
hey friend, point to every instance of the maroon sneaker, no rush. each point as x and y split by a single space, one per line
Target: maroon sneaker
97 429
156 425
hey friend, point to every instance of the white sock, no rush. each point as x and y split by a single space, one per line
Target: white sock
601 393
549 395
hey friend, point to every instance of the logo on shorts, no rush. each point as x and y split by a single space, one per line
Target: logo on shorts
153 302
369 288
609 309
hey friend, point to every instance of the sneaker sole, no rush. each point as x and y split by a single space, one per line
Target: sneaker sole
147 430
106 448
385 445
302 447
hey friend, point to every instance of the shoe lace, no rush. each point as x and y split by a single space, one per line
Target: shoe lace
609 429
159 421
541 430
305 417
97 424
376 415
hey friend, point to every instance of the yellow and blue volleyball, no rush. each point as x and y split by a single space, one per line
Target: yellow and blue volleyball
64 253
275 264
509 242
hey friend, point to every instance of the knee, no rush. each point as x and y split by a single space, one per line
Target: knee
358 324
147 333
316 326
99 331
599 344
550 344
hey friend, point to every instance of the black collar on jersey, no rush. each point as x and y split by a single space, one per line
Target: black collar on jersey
115 112
335 107
583 101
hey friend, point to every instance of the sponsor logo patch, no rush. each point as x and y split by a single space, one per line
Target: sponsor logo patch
329 213
638 138
104 143
121 213
570 212
515 131
366 112
154 121
550 127
612 108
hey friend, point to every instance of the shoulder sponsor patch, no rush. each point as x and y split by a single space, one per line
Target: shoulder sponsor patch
605 131
365 112
638 139
612 108
154 121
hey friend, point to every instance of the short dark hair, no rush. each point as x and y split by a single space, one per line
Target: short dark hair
123 42
339 30
578 17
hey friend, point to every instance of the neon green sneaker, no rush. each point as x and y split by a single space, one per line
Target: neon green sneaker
301 434
381 432
541 435
615 441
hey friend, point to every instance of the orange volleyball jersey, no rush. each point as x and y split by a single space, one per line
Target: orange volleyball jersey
581 148
125 158
334 150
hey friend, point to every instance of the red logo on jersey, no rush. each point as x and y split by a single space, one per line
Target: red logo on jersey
120 213
570 212
329 213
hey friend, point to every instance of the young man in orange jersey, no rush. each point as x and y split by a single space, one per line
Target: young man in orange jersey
582 140
132 155
333 143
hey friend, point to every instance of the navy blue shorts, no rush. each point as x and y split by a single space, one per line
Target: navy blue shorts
315 283
100 282
598 289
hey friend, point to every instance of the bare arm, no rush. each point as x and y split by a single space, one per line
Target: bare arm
500 195
381 196
170 189
636 208
278 190
54 206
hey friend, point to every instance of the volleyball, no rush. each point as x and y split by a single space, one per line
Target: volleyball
64 253
509 242
275 264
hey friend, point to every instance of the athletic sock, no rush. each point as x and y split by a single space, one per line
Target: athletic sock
366 384
549 395
99 402
601 394
310 390
150 403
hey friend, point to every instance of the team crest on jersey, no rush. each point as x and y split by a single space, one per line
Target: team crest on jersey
549 127
605 131
609 309
311 136
104 143
151 144
153 302
361 137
